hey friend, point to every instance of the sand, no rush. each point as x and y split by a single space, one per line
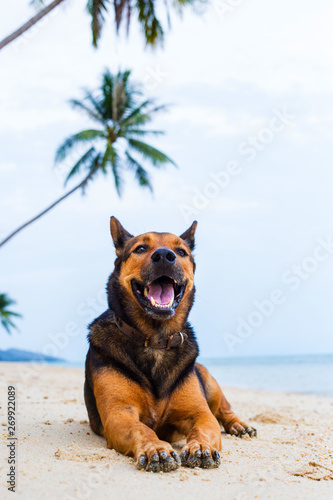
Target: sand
60 457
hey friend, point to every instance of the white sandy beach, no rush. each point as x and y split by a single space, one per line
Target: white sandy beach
60 457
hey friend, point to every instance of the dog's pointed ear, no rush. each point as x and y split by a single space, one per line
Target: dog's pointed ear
119 235
188 235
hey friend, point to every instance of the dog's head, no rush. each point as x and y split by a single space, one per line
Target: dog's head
155 271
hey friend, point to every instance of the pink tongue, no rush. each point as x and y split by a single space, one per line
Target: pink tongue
162 294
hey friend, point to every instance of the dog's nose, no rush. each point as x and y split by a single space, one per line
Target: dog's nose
164 257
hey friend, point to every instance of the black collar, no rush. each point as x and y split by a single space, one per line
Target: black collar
172 341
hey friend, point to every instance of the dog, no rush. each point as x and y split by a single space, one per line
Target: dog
143 387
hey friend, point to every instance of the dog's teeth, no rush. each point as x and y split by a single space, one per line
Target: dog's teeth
160 306
146 291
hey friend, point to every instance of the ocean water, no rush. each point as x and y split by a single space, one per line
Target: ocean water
301 374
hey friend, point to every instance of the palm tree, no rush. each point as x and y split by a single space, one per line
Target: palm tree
123 11
5 315
121 114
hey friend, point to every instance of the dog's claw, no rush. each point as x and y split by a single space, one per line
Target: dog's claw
193 461
142 462
208 463
206 459
240 429
157 463
216 458
154 466
176 458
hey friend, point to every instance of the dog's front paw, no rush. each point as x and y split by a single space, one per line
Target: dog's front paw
195 454
238 428
158 458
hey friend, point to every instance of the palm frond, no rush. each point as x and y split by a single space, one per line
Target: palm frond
150 153
117 178
6 315
81 163
5 301
141 132
150 24
107 91
129 117
97 104
93 167
143 114
67 146
110 156
96 9
141 173
119 7
92 113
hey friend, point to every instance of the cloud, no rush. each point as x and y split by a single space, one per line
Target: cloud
7 167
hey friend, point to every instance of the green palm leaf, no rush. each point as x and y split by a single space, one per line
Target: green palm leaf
141 115
96 9
110 155
96 104
145 11
150 24
92 113
141 173
141 132
150 153
7 315
107 92
111 158
67 146
84 160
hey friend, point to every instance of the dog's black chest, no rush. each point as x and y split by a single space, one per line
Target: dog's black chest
165 369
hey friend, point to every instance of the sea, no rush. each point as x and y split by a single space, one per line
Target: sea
311 374
308 374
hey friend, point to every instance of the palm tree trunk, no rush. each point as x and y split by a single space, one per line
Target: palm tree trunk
29 24
82 184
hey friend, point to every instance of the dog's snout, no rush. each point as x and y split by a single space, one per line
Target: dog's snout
163 257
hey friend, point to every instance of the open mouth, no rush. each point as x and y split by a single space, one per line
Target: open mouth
162 294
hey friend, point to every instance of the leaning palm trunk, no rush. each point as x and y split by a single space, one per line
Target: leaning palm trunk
29 24
81 185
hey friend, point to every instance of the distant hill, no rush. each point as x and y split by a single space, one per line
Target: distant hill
20 355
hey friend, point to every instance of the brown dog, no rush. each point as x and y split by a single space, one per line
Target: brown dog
143 388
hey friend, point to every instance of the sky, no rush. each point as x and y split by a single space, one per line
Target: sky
250 126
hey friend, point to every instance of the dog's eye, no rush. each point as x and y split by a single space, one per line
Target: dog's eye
181 252
140 249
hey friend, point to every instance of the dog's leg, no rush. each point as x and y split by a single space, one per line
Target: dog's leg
124 407
220 407
189 413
